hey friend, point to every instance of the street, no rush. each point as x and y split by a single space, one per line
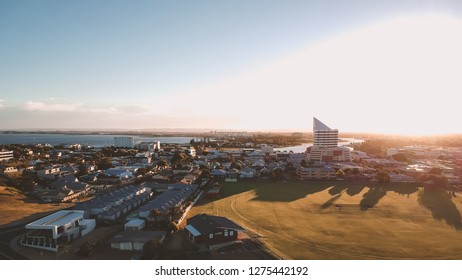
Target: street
6 235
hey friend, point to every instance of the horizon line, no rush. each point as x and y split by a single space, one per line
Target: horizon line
206 130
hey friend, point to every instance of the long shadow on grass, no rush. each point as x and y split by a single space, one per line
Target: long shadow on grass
442 207
227 190
289 191
378 191
354 190
331 200
335 190
371 197
404 189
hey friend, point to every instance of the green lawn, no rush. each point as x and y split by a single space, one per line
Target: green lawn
343 220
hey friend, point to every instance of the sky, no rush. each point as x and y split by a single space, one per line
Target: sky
358 66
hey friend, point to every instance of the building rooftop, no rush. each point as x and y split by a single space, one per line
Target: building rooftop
318 125
137 236
169 199
205 224
135 223
57 219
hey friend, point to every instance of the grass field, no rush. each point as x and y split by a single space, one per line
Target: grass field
16 208
343 220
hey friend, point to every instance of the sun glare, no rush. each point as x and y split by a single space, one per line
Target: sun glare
396 76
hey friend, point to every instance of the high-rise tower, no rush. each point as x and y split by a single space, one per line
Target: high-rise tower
325 145
323 136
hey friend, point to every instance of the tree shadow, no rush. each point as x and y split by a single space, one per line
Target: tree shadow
371 198
293 191
331 200
354 190
439 202
404 189
227 190
335 190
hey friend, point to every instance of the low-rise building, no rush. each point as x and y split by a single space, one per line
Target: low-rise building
175 196
49 173
329 154
135 225
110 207
58 228
212 230
319 173
135 240
247 172
6 155
10 169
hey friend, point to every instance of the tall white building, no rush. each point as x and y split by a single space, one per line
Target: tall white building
323 136
124 141
325 145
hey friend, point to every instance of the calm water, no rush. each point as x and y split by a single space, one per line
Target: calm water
91 140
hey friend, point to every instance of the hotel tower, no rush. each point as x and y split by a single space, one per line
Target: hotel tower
325 144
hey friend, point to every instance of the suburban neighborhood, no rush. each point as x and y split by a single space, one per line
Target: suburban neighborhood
133 200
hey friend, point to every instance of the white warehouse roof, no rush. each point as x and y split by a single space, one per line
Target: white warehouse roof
57 219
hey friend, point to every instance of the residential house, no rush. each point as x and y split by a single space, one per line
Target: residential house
175 196
135 240
49 173
220 173
135 225
10 169
212 230
247 172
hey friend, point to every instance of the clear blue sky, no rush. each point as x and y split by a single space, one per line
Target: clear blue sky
164 64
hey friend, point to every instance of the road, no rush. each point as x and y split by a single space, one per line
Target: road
6 235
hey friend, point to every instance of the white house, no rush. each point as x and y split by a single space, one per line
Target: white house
135 225
247 172
10 169
60 227
135 240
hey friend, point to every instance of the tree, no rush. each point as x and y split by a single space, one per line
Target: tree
156 213
205 173
173 226
235 165
382 177
340 174
82 170
141 171
303 163
104 163
162 163
178 158
439 181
